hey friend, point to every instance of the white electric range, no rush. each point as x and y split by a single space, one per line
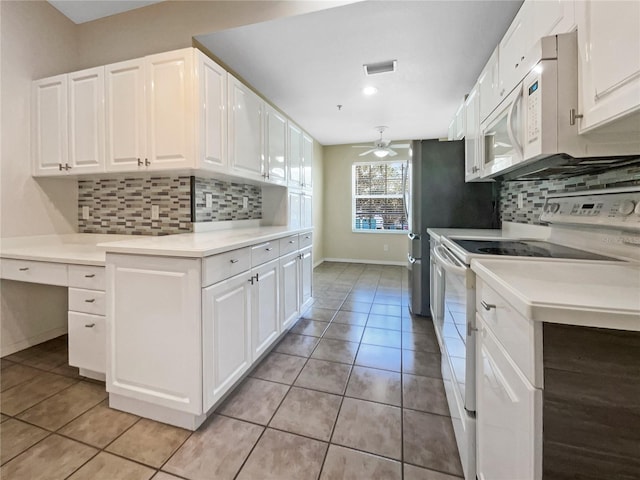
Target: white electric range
589 227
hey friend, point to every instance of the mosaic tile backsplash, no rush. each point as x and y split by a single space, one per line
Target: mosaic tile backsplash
123 205
535 192
227 200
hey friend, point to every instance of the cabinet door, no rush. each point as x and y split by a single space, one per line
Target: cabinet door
306 278
86 121
608 62
509 415
87 342
276 146
295 155
212 105
49 128
153 331
125 116
294 210
514 47
460 123
289 290
472 161
170 114
265 311
552 17
245 130
306 211
307 162
226 335
489 87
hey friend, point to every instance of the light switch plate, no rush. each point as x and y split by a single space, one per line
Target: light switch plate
155 212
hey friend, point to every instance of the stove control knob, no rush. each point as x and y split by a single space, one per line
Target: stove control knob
552 207
626 207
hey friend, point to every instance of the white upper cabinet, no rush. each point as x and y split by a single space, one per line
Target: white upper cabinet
307 162
514 47
126 142
86 121
295 155
609 62
49 129
489 86
551 17
170 117
472 151
306 211
460 122
212 105
246 110
275 167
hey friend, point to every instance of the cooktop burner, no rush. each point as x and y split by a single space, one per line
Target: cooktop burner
526 248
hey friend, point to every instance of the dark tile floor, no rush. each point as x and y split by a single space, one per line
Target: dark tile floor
352 392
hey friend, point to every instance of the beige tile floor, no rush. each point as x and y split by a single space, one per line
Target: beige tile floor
352 392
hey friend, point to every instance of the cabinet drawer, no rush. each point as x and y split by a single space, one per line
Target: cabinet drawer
84 276
288 244
305 239
225 265
87 301
35 272
87 341
264 252
520 337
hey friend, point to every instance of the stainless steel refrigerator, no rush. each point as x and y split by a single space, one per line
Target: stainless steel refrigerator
438 197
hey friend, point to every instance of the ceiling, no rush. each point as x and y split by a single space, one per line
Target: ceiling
309 64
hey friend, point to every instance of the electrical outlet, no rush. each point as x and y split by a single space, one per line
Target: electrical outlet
521 200
386 247
155 212
245 203
85 213
208 200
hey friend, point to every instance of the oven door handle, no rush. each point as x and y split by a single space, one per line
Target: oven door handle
510 130
446 261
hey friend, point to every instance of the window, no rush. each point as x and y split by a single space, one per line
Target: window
379 196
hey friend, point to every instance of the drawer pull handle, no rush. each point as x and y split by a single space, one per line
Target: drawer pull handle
487 306
269 249
90 300
307 237
90 325
233 260
90 275
23 269
292 241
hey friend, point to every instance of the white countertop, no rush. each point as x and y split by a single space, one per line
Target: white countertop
75 248
474 233
603 295
199 244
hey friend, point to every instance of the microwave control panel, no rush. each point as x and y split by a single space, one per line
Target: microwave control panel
533 111
617 209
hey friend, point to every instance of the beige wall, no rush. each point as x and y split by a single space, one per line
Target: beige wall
37 41
318 204
340 243
172 24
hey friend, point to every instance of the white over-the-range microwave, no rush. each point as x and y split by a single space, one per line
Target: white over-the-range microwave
533 133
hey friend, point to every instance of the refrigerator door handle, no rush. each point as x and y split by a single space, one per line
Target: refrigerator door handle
445 261
410 258
413 236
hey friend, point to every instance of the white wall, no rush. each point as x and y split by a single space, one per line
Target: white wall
318 203
340 243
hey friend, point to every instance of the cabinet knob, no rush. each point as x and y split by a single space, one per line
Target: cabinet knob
60 167
147 162
234 260
90 275
90 300
522 58
90 325
269 249
23 269
140 163
67 167
292 241
487 306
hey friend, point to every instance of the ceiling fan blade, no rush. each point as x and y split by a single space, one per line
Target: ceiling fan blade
400 145
391 152
368 152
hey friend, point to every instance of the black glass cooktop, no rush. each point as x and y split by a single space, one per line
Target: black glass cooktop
526 248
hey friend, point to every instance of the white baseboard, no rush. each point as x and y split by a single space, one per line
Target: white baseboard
319 262
144 409
31 341
359 260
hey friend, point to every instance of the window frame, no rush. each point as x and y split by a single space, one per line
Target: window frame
354 197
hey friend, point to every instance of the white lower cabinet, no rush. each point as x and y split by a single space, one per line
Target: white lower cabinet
87 342
226 335
176 343
289 289
265 308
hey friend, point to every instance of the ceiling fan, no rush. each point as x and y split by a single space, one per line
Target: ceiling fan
382 148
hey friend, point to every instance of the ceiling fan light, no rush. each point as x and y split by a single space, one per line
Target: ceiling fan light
381 153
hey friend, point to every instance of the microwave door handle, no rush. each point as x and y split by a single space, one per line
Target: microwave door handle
510 132
446 262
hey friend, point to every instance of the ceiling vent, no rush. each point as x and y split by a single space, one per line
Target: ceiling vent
382 67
